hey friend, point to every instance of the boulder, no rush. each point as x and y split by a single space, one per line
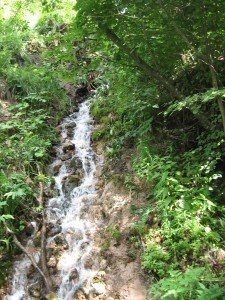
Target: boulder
69 183
35 289
98 288
70 132
74 275
53 229
66 156
52 262
76 163
70 125
56 167
68 146
79 295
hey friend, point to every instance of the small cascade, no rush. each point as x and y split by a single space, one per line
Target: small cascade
70 233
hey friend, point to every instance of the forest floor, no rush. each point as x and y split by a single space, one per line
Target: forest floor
119 258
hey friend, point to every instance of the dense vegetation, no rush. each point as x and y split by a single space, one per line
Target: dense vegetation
159 69
162 65
32 104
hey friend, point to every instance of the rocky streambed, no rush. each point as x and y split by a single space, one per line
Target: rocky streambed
83 258
70 251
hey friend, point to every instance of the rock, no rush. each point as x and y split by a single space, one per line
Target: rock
70 132
35 289
56 167
66 156
57 280
52 262
99 288
31 270
76 163
54 229
79 295
68 146
60 240
74 275
70 125
74 179
89 263
103 264
70 182
35 294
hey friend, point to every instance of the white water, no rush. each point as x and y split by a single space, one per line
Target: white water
70 211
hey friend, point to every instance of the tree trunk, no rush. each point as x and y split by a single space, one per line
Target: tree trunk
150 72
220 100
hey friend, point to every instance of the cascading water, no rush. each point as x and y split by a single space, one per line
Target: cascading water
68 211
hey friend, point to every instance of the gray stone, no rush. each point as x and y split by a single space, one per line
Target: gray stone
52 262
76 163
70 125
68 146
74 275
56 167
66 156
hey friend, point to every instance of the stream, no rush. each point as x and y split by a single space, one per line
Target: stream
70 233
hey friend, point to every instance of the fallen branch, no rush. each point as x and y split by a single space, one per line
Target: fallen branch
43 240
31 258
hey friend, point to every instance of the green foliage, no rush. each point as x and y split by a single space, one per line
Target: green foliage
195 283
157 59
34 104
114 232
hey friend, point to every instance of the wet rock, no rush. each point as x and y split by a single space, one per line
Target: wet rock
66 156
75 179
52 262
60 240
70 132
74 275
70 182
70 125
79 295
56 167
57 280
76 163
68 146
35 290
52 271
54 229
31 270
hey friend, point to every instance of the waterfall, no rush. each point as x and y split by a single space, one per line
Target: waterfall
67 211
